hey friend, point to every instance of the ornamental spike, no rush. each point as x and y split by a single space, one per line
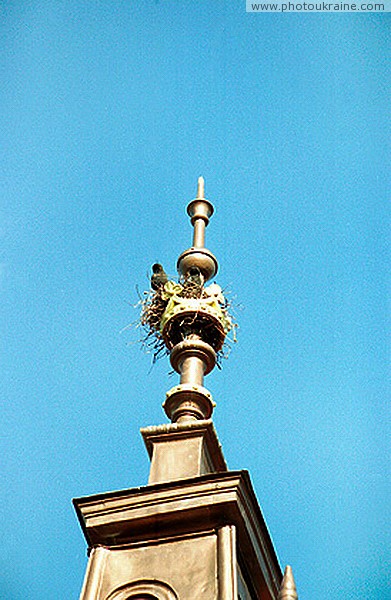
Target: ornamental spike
288 587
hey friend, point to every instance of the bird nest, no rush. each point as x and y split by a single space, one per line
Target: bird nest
174 311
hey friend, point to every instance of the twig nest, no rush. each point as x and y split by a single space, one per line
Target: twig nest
204 316
177 310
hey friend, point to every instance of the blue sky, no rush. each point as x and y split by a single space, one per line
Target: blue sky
109 113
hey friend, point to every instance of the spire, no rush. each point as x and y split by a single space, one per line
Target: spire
192 506
189 319
199 210
288 587
194 325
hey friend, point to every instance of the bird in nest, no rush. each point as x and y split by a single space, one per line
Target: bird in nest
159 277
193 283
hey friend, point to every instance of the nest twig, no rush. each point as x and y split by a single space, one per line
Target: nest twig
152 309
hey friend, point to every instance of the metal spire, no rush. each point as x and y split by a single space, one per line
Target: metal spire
195 323
288 587
190 319
199 210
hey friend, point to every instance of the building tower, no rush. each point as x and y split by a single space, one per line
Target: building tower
195 531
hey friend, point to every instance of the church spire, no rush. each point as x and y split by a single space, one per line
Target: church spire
288 587
194 321
189 320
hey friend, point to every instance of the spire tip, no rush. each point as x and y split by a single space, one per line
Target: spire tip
288 587
201 188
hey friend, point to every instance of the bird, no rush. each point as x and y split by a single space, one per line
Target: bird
195 276
193 284
159 276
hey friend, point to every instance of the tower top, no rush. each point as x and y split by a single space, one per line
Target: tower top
192 506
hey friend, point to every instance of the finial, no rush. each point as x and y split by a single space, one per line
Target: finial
190 319
199 210
201 189
288 587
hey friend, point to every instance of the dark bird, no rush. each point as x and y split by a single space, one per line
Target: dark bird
193 283
195 276
159 277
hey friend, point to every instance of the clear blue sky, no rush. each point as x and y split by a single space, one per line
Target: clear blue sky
109 111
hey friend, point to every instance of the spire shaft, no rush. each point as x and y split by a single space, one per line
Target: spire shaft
199 222
199 210
199 233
